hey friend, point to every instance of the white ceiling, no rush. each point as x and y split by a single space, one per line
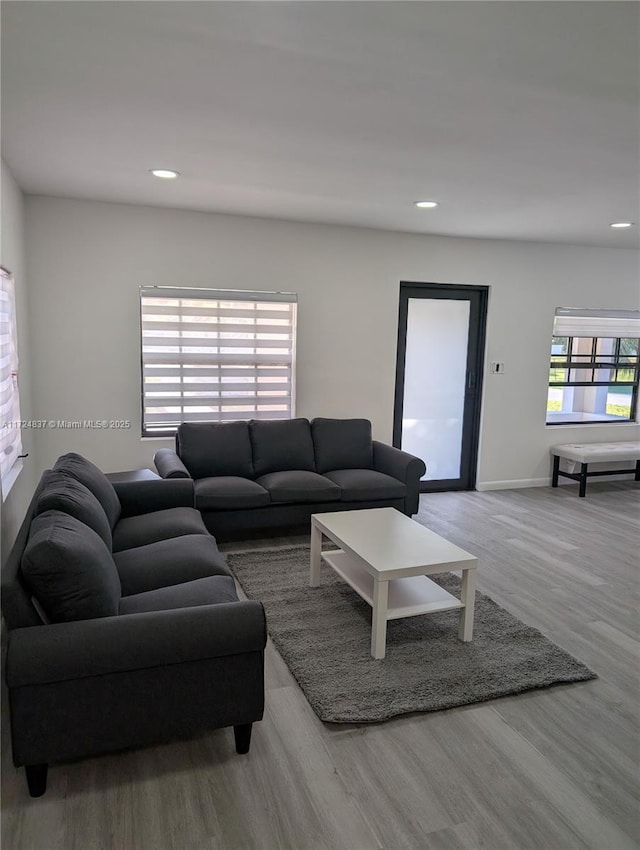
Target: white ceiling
521 118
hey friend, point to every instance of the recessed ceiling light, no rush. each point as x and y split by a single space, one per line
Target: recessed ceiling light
622 224
165 173
426 205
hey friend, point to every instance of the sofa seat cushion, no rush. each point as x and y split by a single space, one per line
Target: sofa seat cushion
215 448
281 444
203 591
167 562
362 485
159 525
228 492
342 444
94 479
62 492
299 486
69 569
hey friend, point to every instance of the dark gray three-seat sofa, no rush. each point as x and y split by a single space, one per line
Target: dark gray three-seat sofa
265 473
124 627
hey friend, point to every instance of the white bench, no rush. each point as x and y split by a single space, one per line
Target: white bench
586 453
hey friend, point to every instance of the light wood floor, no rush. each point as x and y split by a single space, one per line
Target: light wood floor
547 770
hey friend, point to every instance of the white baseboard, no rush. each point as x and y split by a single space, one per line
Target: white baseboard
515 484
520 483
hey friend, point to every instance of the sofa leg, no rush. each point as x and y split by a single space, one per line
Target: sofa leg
36 779
243 737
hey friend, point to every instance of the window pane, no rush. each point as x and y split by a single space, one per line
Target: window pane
581 375
605 375
619 402
581 344
624 375
554 399
588 404
605 345
580 359
559 345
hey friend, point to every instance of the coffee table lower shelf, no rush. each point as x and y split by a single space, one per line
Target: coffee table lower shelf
408 597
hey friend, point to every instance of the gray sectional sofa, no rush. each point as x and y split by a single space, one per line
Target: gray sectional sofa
124 627
266 473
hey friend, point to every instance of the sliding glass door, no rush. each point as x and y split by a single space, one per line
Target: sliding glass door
438 380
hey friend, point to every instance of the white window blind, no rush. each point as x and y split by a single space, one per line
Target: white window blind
215 355
609 324
10 433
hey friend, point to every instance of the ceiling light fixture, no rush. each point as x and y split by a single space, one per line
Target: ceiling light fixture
426 205
164 173
621 224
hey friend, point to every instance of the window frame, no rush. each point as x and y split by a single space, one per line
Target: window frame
11 425
182 375
570 364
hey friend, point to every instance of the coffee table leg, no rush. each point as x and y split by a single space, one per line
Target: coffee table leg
379 619
468 598
316 548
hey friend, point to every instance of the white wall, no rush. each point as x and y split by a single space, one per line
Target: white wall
12 258
86 261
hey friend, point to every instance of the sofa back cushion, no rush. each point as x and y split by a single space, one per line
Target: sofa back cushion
69 569
280 445
342 444
94 479
215 448
61 492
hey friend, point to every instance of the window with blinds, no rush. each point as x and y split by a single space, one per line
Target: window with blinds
594 366
214 355
10 432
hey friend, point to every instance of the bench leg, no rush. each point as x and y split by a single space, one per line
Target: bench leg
583 480
556 468
637 475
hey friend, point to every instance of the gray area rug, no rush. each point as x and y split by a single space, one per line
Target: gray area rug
323 634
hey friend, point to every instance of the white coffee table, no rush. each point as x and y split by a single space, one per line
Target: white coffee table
386 558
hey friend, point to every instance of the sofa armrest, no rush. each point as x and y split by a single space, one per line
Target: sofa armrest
143 497
401 465
396 463
169 464
68 651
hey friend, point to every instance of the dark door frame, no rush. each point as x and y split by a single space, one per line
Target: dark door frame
479 297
